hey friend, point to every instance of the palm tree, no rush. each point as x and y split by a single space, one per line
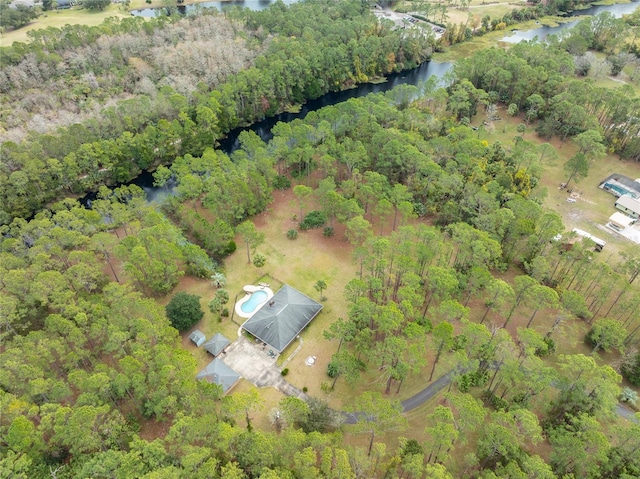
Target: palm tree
218 280
629 395
320 286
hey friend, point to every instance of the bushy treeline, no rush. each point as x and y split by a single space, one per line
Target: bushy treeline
539 80
64 76
316 56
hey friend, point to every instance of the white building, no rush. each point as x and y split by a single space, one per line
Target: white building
628 205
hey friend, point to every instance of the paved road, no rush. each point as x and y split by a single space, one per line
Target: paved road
427 393
444 380
417 399
255 365
626 413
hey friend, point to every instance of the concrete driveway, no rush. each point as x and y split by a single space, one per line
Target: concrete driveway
252 362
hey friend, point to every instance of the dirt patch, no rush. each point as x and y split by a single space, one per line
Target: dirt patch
151 429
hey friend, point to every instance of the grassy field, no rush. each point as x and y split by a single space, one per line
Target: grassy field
60 18
78 15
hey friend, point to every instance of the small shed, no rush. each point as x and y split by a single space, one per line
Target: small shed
619 221
217 344
217 372
198 337
628 205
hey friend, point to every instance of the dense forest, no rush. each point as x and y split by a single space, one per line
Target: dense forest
89 358
146 92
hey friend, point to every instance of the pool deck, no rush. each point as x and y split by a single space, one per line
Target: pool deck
249 290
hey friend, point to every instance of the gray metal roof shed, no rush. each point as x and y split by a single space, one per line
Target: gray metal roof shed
217 372
281 319
198 337
216 344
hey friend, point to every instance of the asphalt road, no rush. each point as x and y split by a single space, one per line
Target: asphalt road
444 380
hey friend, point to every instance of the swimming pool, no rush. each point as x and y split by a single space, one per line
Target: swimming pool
256 299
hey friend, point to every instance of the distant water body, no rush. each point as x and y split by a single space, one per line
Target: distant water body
618 10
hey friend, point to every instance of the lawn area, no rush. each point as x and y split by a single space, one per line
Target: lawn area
600 73
594 206
299 263
310 257
60 18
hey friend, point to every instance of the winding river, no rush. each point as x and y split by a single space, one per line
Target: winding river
412 77
543 32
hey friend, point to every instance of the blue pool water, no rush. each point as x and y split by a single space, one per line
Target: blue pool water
256 299
621 191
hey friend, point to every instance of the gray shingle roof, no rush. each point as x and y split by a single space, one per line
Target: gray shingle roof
219 373
216 344
198 337
282 318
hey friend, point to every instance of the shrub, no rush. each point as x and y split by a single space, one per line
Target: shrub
479 378
411 447
459 342
550 349
184 311
332 370
230 248
632 371
281 183
284 372
225 312
259 261
328 231
464 383
305 389
314 219
292 234
496 402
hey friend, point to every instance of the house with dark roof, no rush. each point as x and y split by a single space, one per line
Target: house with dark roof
217 372
198 337
282 318
216 345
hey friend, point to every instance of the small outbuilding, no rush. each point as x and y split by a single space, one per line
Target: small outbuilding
619 221
629 205
217 344
217 372
198 337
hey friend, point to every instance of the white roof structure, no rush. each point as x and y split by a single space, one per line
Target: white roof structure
599 242
629 203
620 220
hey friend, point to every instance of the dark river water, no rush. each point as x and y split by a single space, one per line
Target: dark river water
412 77
263 128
